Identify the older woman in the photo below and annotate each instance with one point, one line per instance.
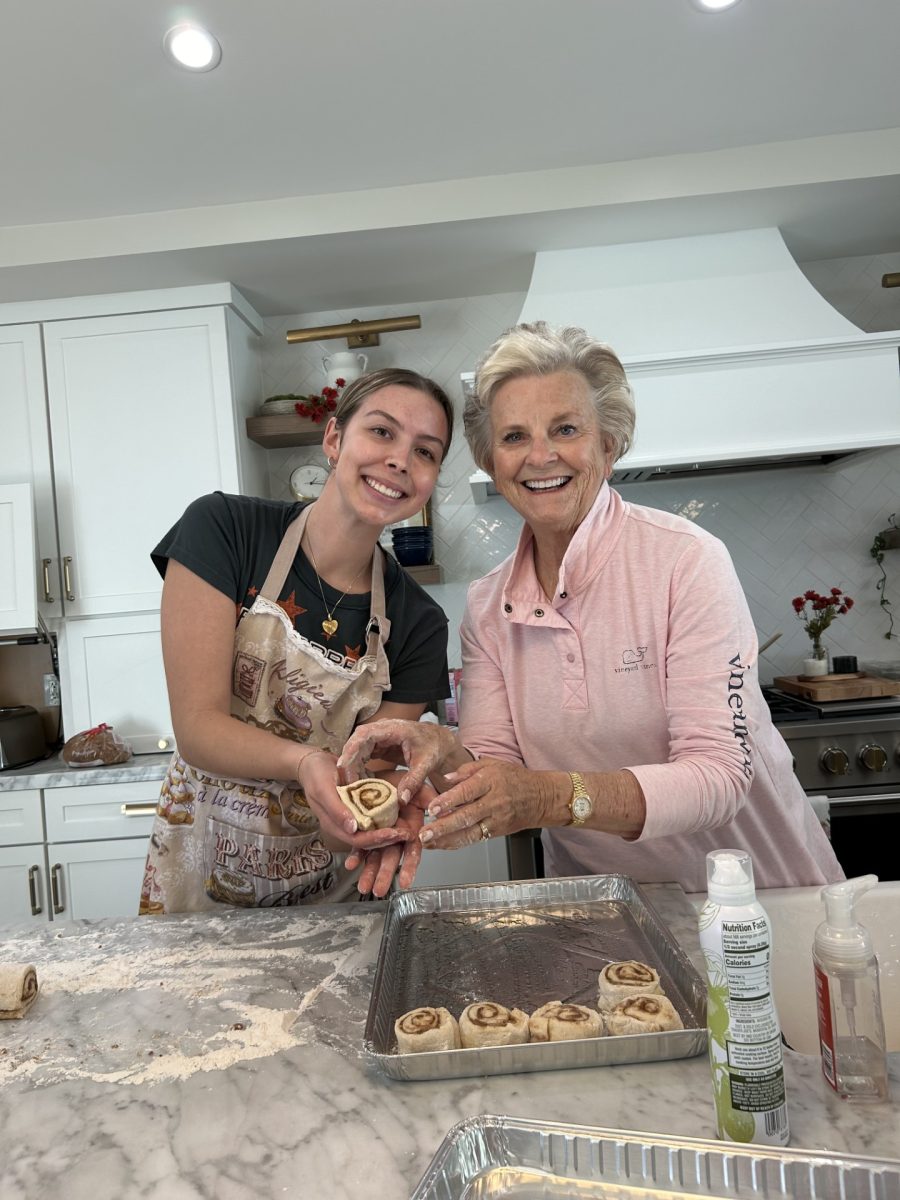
(610, 693)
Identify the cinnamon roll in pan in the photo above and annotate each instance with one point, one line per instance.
(487, 1024)
(643, 1014)
(426, 1029)
(558, 1022)
(620, 981)
(373, 802)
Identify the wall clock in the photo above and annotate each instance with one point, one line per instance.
(307, 481)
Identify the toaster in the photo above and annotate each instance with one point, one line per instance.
(21, 736)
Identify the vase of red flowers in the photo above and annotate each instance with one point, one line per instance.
(817, 612)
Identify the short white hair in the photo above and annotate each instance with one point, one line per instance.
(539, 349)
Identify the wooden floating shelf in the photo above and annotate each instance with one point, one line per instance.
(280, 430)
(430, 573)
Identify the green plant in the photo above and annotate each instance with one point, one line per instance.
(877, 549)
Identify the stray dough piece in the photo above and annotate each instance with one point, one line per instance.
(426, 1029)
(621, 980)
(487, 1024)
(643, 1014)
(373, 802)
(558, 1022)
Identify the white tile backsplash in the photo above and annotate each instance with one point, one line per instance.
(787, 531)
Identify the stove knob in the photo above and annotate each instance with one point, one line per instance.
(873, 757)
(834, 760)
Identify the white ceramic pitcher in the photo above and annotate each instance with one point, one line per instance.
(345, 364)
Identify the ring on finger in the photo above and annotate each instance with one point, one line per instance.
(485, 832)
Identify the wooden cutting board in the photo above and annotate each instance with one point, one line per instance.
(838, 687)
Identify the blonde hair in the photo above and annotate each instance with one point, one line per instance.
(353, 395)
(539, 349)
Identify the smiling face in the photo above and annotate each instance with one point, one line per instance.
(549, 453)
(388, 454)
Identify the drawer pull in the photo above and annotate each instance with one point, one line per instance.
(56, 888)
(48, 599)
(145, 809)
(34, 875)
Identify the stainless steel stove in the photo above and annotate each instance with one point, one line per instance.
(849, 752)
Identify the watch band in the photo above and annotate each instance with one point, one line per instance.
(581, 805)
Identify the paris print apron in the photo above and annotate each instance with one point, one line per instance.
(256, 843)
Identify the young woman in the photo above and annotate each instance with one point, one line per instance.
(283, 627)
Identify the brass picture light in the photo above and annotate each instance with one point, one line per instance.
(892, 279)
(357, 333)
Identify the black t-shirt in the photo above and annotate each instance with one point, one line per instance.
(230, 542)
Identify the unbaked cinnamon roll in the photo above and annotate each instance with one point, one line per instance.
(373, 802)
(558, 1022)
(621, 980)
(643, 1014)
(487, 1024)
(426, 1029)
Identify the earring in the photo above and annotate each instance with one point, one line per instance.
(332, 463)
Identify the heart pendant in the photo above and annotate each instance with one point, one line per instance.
(329, 627)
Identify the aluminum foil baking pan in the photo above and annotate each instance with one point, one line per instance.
(487, 1158)
(522, 944)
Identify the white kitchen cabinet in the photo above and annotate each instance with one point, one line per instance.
(139, 401)
(142, 419)
(18, 595)
(24, 875)
(114, 674)
(25, 450)
(90, 880)
(90, 862)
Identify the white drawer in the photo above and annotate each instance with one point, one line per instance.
(110, 810)
(20, 817)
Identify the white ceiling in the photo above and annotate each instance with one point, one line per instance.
(346, 154)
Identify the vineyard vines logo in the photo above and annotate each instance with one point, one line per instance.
(738, 716)
(633, 660)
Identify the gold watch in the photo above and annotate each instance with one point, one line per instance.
(581, 805)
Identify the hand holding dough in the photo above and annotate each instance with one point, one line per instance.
(373, 802)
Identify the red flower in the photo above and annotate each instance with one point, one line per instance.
(822, 610)
(340, 383)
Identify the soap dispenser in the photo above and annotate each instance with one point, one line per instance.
(848, 997)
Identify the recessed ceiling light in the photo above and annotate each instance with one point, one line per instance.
(192, 47)
(713, 5)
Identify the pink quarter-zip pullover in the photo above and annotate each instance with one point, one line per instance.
(645, 660)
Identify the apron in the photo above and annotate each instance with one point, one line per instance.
(250, 842)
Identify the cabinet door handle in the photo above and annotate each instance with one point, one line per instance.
(45, 563)
(34, 883)
(145, 809)
(67, 576)
(56, 888)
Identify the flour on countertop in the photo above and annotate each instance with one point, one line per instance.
(175, 1011)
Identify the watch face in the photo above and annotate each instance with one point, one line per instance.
(582, 807)
(307, 482)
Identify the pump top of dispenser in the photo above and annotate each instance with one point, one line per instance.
(729, 877)
(840, 936)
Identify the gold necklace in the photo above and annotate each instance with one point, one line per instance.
(330, 625)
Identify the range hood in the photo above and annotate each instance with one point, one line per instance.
(736, 361)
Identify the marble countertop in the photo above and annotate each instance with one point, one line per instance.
(54, 772)
(220, 1055)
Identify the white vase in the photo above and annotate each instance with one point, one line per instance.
(815, 666)
(345, 364)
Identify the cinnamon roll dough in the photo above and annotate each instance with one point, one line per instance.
(426, 1028)
(620, 981)
(373, 802)
(558, 1022)
(643, 1014)
(487, 1024)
